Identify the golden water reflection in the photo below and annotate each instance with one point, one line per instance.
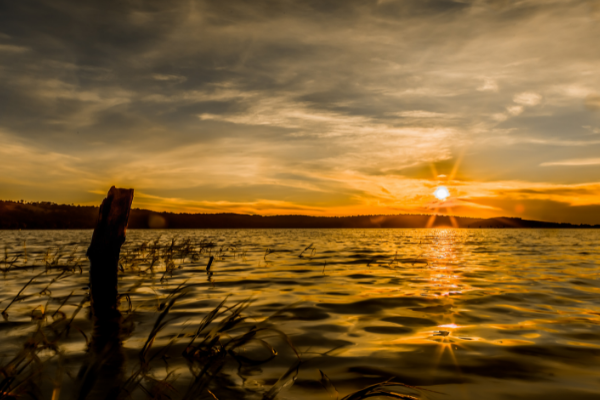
(491, 314)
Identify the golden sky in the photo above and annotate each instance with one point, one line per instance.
(334, 107)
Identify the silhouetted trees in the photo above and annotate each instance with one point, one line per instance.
(48, 215)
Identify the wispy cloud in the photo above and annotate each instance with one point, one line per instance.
(527, 99)
(488, 84)
(573, 163)
(9, 48)
(424, 114)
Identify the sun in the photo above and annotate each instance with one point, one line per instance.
(441, 192)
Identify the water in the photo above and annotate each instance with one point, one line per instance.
(473, 314)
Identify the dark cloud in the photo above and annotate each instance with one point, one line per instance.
(93, 32)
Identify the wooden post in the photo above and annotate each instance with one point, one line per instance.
(103, 253)
(103, 372)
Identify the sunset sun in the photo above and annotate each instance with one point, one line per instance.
(441, 192)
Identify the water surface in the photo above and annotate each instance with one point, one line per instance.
(473, 314)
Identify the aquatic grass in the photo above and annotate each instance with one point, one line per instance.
(328, 386)
(159, 324)
(381, 390)
(20, 371)
(206, 358)
(8, 263)
(286, 380)
(18, 297)
(209, 350)
(310, 246)
(267, 252)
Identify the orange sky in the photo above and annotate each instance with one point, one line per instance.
(333, 108)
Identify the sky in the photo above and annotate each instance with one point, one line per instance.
(337, 107)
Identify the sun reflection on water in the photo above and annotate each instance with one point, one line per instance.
(442, 307)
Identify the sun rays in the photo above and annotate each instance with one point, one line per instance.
(442, 193)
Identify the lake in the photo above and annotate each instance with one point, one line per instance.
(470, 314)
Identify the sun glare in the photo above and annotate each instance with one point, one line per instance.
(441, 193)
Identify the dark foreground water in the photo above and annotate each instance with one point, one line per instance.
(472, 314)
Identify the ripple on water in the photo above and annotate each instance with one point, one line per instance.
(517, 307)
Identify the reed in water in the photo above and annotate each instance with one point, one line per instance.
(165, 353)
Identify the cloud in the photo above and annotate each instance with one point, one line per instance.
(591, 129)
(488, 85)
(423, 114)
(592, 102)
(527, 99)
(260, 206)
(572, 163)
(515, 110)
(8, 48)
(174, 78)
(575, 191)
(500, 117)
(512, 140)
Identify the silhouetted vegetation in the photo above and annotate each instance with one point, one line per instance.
(190, 362)
(46, 215)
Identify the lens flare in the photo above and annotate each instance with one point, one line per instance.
(441, 193)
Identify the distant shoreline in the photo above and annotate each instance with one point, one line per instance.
(48, 216)
(281, 229)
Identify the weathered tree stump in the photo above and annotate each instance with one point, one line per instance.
(103, 253)
(101, 375)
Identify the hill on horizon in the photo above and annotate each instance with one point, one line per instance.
(47, 215)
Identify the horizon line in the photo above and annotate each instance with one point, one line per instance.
(301, 215)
